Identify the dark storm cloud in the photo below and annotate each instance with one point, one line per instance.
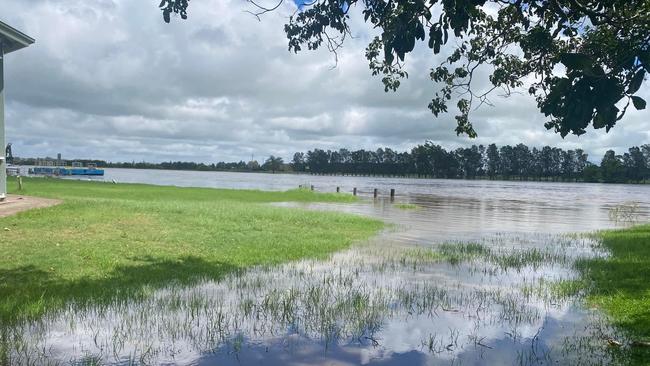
(108, 79)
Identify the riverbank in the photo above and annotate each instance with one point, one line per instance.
(620, 286)
(107, 241)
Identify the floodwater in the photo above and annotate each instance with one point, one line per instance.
(468, 274)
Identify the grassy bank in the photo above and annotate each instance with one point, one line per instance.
(118, 240)
(620, 285)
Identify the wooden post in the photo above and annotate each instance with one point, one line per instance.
(392, 194)
(338, 189)
(376, 192)
(20, 183)
(312, 187)
(354, 191)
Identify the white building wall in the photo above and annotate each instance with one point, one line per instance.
(3, 163)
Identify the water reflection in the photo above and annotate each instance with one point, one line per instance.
(376, 304)
(434, 218)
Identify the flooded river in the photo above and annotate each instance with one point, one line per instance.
(466, 273)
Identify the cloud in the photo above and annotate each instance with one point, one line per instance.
(109, 79)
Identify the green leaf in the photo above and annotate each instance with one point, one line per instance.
(576, 61)
(419, 31)
(599, 121)
(595, 71)
(638, 102)
(635, 84)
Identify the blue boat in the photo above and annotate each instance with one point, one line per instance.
(65, 171)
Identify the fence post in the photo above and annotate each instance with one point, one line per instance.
(392, 194)
(354, 191)
(312, 187)
(376, 192)
(338, 189)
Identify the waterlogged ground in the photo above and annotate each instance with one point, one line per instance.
(448, 283)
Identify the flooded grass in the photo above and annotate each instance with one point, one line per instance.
(109, 241)
(407, 206)
(403, 298)
(503, 258)
(366, 299)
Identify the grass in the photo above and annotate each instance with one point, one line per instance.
(620, 285)
(503, 259)
(407, 206)
(109, 241)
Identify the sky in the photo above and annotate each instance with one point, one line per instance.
(108, 79)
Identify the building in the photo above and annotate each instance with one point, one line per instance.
(10, 40)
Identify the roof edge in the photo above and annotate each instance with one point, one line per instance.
(19, 38)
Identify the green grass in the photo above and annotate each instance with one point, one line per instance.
(108, 241)
(620, 284)
(407, 206)
(504, 259)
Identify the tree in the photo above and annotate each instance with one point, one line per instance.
(568, 165)
(298, 162)
(253, 165)
(582, 160)
(536, 163)
(522, 162)
(273, 163)
(602, 45)
(646, 154)
(591, 173)
(493, 161)
(507, 161)
(316, 160)
(470, 162)
(612, 169)
(422, 161)
(636, 164)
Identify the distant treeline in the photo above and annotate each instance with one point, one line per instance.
(429, 160)
(480, 162)
(171, 165)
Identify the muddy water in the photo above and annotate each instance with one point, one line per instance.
(456, 279)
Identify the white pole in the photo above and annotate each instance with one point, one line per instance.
(3, 162)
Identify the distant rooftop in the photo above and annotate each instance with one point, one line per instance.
(13, 39)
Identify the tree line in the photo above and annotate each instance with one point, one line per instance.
(430, 160)
(507, 162)
(271, 164)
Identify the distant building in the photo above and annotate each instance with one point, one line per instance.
(10, 40)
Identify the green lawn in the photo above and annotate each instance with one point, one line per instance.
(117, 240)
(621, 285)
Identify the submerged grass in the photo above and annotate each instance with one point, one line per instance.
(456, 253)
(407, 206)
(109, 241)
(620, 285)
